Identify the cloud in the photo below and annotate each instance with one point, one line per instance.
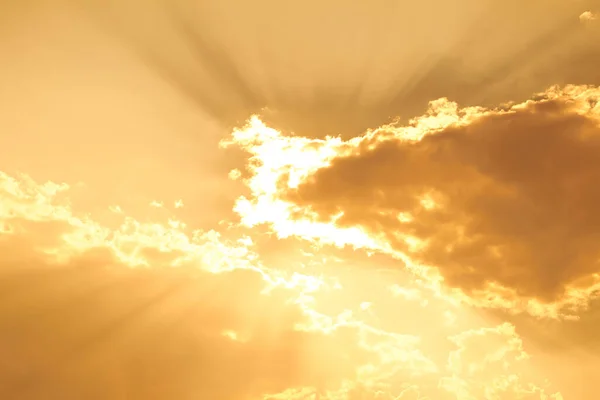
(587, 16)
(148, 310)
(509, 198)
(486, 364)
(500, 201)
(108, 290)
(90, 312)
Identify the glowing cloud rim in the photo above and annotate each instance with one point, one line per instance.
(280, 162)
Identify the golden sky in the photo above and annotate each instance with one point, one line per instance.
(276, 200)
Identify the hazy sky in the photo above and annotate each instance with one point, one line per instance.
(329, 200)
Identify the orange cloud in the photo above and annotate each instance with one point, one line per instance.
(132, 301)
(487, 365)
(146, 309)
(587, 16)
(500, 201)
(143, 310)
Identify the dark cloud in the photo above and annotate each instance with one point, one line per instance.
(517, 197)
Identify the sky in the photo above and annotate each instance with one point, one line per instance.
(318, 200)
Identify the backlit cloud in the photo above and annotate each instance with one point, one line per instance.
(486, 365)
(148, 309)
(403, 218)
(144, 304)
(502, 202)
(587, 16)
